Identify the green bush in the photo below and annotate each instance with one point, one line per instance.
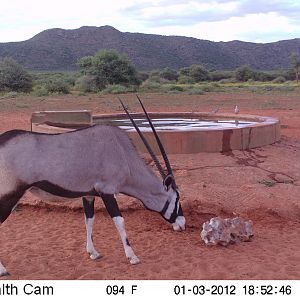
(195, 91)
(175, 87)
(13, 77)
(142, 76)
(109, 67)
(118, 89)
(198, 73)
(168, 74)
(243, 73)
(185, 79)
(57, 86)
(228, 80)
(40, 91)
(86, 84)
(221, 75)
(279, 79)
(150, 86)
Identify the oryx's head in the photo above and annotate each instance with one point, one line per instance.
(172, 210)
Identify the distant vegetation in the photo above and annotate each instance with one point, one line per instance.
(107, 67)
(109, 72)
(59, 50)
(13, 77)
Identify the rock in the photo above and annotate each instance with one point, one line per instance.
(223, 232)
(281, 178)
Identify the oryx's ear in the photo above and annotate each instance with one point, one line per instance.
(168, 182)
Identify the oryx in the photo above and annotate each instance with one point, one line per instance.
(95, 161)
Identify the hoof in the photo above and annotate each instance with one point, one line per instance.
(134, 260)
(96, 256)
(5, 274)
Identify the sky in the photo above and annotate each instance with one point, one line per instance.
(219, 20)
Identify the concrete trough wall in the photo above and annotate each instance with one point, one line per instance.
(71, 119)
(266, 131)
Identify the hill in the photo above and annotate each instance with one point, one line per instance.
(59, 49)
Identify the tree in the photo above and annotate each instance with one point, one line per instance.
(169, 74)
(184, 71)
(13, 77)
(198, 73)
(295, 60)
(243, 73)
(109, 67)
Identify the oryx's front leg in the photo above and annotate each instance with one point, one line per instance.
(114, 211)
(3, 271)
(88, 204)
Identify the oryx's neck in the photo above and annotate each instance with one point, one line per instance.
(147, 187)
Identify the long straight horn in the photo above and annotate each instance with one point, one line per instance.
(161, 147)
(151, 152)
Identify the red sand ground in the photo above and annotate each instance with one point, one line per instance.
(48, 242)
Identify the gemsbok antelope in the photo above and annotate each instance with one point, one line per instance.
(95, 161)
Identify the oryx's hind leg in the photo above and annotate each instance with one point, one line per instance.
(88, 204)
(7, 204)
(114, 211)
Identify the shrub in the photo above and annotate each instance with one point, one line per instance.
(184, 79)
(173, 88)
(57, 86)
(40, 91)
(142, 76)
(169, 74)
(228, 80)
(184, 71)
(219, 75)
(150, 86)
(198, 73)
(13, 76)
(109, 67)
(154, 77)
(86, 84)
(279, 79)
(118, 89)
(195, 91)
(243, 73)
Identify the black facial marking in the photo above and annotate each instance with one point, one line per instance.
(174, 214)
(166, 206)
(111, 205)
(55, 189)
(180, 212)
(127, 242)
(88, 207)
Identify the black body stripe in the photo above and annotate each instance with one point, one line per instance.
(88, 207)
(111, 205)
(55, 189)
(8, 201)
(8, 135)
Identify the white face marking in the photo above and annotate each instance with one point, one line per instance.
(179, 223)
(171, 207)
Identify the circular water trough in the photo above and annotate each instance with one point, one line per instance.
(220, 132)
